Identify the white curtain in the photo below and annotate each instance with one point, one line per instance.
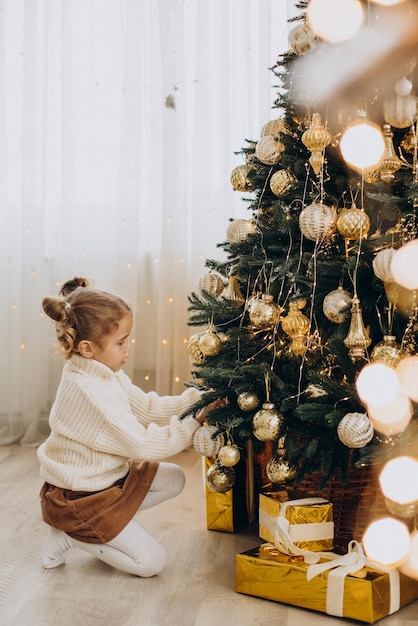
(119, 120)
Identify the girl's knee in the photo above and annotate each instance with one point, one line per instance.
(153, 564)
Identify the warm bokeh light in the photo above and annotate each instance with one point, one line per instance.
(407, 372)
(362, 145)
(335, 20)
(391, 418)
(387, 541)
(388, 3)
(404, 265)
(377, 384)
(410, 566)
(399, 480)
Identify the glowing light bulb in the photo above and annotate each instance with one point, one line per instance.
(388, 3)
(335, 20)
(404, 265)
(391, 418)
(377, 384)
(399, 480)
(362, 145)
(407, 371)
(387, 541)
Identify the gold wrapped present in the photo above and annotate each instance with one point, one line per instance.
(351, 588)
(293, 525)
(227, 511)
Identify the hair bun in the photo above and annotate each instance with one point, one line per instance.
(71, 285)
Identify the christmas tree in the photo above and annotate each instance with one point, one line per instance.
(304, 297)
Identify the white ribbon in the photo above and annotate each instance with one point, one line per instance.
(350, 563)
(284, 533)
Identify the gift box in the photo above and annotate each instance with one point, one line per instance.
(228, 511)
(366, 594)
(304, 523)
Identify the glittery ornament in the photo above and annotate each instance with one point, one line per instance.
(240, 180)
(220, 478)
(355, 430)
(281, 182)
(336, 305)
(317, 221)
(353, 223)
(387, 351)
(274, 128)
(268, 423)
(357, 339)
(211, 283)
(229, 455)
(302, 39)
(248, 401)
(382, 264)
(296, 325)
(210, 343)
(195, 352)
(316, 138)
(239, 230)
(278, 469)
(204, 441)
(264, 312)
(269, 150)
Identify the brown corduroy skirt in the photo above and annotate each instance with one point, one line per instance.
(98, 517)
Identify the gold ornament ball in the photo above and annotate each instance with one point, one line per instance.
(239, 230)
(220, 478)
(212, 283)
(387, 351)
(269, 150)
(280, 182)
(264, 313)
(280, 471)
(355, 430)
(337, 305)
(210, 344)
(317, 221)
(248, 401)
(240, 180)
(268, 423)
(273, 127)
(229, 455)
(195, 352)
(353, 223)
(302, 39)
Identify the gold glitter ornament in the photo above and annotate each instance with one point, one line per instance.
(220, 478)
(195, 352)
(239, 230)
(211, 283)
(274, 128)
(248, 401)
(296, 325)
(229, 455)
(336, 305)
(355, 430)
(264, 313)
(390, 163)
(302, 39)
(268, 423)
(204, 441)
(269, 150)
(353, 223)
(316, 138)
(317, 221)
(357, 339)
(210, 343)
(281, 182)
(387, 351)
(240, 180)
(278, 469)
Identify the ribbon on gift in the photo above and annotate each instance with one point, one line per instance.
(285, 534)
(350, 563)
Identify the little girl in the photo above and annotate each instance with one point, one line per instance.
(102, 461)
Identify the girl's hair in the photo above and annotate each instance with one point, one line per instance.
(82, 313)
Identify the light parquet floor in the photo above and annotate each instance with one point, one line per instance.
(197, 587)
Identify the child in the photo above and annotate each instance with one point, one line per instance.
(102, 461)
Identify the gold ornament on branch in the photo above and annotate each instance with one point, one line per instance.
(264, 313)
(210, 343)
(336, 305)
(240, 180)
(239, 230)
(387, 351)
(353, 223)
(269, 150)
(281, 182)
(212, 283)
(390, 163)
(274, 128)
(296, 325)
(302, 39)
(317, 221)
(316, 138)
(220, 478)
(355, 430)
(268, 423)
(278, 469)
(248, 401)
(357, 340)
(195, 352)
(229, 455)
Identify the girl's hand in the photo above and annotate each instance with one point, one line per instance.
(201, 414)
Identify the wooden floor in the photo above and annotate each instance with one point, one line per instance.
(197, 587)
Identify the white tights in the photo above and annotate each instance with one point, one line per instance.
(134, 550)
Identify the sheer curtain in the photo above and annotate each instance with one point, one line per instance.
(119, 120)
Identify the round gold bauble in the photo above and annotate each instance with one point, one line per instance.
(317, 221)
(280, 471)
(229, 455)
(302, 39)
(382, 264)
(269, 150)
(210, 343)
(274, 127)
(248, 401)
(387, 351)
(220, 478)
(353, 223)
(212, 283)
(240, 180)
(281, 182)
(204, 441)
(355, 430)
(337, 305)
(268, 423)
(400, 111)
(239, 230)
(195, 352)
(264, 312)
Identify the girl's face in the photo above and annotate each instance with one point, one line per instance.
(115, 350)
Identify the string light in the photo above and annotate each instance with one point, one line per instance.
(387, 541)
(362, 145)
(377, 384)
(399, 480)
(335, 20)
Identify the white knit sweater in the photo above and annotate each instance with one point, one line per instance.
(100, 420)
